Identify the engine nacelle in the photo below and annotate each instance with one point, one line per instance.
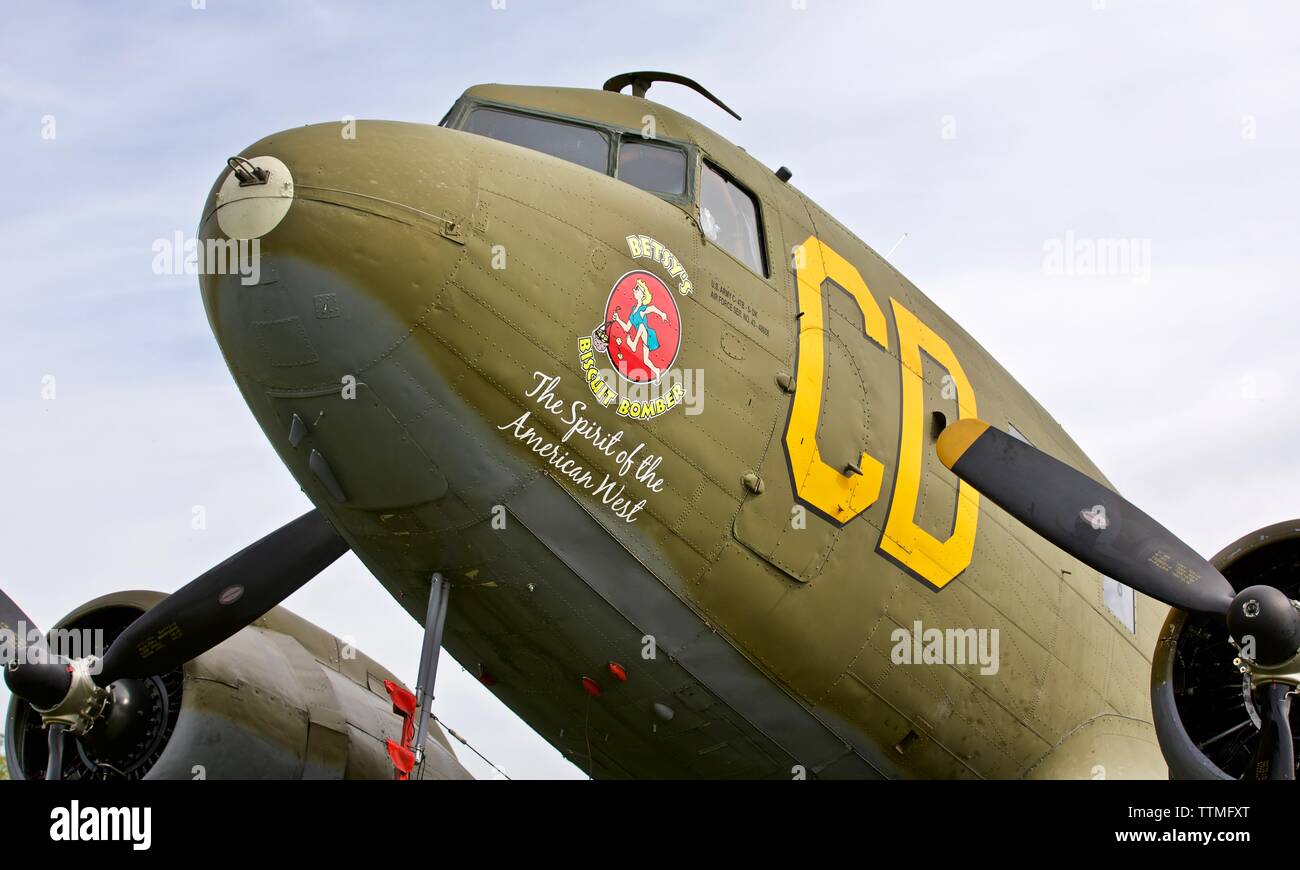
(1205, 715)
(282, 699)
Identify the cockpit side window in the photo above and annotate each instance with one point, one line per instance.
(584, 146)
(729, 218)
(652, 166)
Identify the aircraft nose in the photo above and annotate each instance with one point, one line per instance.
(321, 246)
(321, 254)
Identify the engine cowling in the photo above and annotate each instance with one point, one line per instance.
(282, 699)
(1205, 715)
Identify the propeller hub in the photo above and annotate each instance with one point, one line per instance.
(1265, 624)
(77, 707)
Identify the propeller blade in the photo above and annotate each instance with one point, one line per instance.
(41, 684)
(1275, 754)
(54, 762)
(11, 614)
(1085, 519)
(225, 599)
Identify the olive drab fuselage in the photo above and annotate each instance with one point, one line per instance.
(684, 490)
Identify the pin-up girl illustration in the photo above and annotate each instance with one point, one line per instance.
(640, 334)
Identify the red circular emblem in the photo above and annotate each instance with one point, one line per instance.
(643, 326)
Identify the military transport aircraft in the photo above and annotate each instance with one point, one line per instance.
(686, 473)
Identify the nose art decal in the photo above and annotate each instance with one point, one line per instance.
(640, 335)
(642, 327)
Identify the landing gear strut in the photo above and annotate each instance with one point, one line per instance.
(434, 620)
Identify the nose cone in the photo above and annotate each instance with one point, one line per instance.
(321, 250)
(334, 241)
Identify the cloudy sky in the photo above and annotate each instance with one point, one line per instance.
(991, 134)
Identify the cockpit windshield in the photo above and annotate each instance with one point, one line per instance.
(652, 166)
(659, 167)
(584, 146)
